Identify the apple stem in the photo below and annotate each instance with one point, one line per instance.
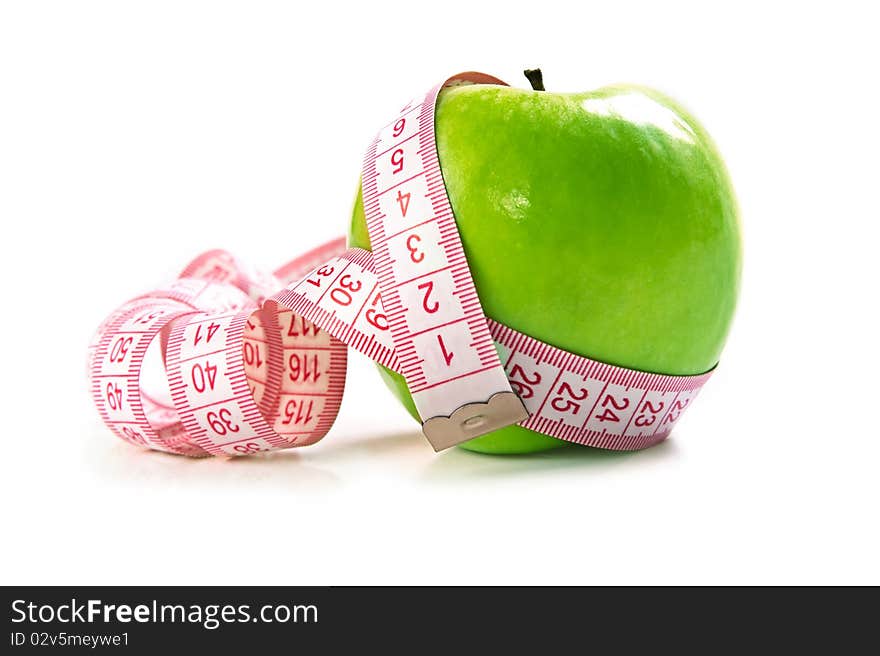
(535, 78)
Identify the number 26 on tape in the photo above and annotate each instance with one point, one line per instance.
(523, 387)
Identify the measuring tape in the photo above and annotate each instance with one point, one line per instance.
(250, 368)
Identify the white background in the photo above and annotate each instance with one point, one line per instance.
(135, 135)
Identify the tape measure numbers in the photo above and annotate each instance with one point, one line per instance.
(251, 368)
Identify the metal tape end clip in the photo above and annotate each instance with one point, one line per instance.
(474, 419)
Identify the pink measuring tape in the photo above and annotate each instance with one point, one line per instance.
(250, 368)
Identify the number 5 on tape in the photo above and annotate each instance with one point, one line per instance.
(437, 323)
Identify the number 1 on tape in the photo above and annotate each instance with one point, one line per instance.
(440, 333)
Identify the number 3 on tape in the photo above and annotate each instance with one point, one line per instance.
(440, 333)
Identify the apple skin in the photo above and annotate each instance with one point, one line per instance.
(603, 223)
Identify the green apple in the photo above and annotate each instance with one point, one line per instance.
(603, 223)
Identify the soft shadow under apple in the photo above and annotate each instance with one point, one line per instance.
(458, 465)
